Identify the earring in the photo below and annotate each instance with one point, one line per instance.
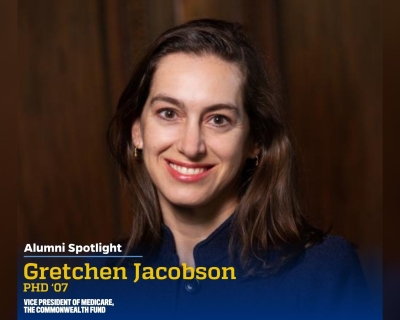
(135, 152)
(256, 161)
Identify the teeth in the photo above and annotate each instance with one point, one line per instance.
(187, 171)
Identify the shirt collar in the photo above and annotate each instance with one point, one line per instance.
(208, 252)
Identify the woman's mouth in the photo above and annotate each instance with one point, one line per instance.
(188, 172)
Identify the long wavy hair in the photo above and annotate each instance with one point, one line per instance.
(269, 215)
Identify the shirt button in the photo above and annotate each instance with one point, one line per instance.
(192, 286)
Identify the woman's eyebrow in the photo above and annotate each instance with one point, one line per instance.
(164, 98)
(222, 106)
(180, 104)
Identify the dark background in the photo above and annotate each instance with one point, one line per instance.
(76, 56)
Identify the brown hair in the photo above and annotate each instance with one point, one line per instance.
(269, 214)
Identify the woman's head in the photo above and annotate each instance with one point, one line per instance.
(200, 38)
(194, 133)
(268, 212)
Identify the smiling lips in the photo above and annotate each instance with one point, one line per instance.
(188, 172)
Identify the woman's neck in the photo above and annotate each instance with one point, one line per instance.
(192, 225)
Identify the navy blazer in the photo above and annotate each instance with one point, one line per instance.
(325, 282)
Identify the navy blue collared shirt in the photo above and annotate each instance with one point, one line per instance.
(325, 282)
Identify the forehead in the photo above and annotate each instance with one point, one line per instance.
(204, 79)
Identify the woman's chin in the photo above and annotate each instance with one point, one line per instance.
(188, 201)
(194, 203)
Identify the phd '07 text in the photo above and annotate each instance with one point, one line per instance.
(44, 287)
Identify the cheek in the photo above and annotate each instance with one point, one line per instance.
(231, 149)
(156, 138)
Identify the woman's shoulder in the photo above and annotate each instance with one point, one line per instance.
(330, 276)
(332, 249)
(333, 261)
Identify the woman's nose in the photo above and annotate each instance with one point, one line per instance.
(191, 142)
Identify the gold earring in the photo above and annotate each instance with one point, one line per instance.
(256, 161)
(135, 152)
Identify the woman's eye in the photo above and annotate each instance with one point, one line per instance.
(219, 120)
(168, 114)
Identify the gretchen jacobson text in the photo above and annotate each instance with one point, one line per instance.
(33, 272)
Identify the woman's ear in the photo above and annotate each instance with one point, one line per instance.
(255, 150)
(137, 138)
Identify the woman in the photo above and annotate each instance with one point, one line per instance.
(200, 140)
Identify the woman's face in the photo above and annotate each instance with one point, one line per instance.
(194, 131)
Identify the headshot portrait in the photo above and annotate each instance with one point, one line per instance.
(202, 159)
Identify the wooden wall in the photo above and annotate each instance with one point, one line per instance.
(76, 56)
(66, 184)
(331, 58)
